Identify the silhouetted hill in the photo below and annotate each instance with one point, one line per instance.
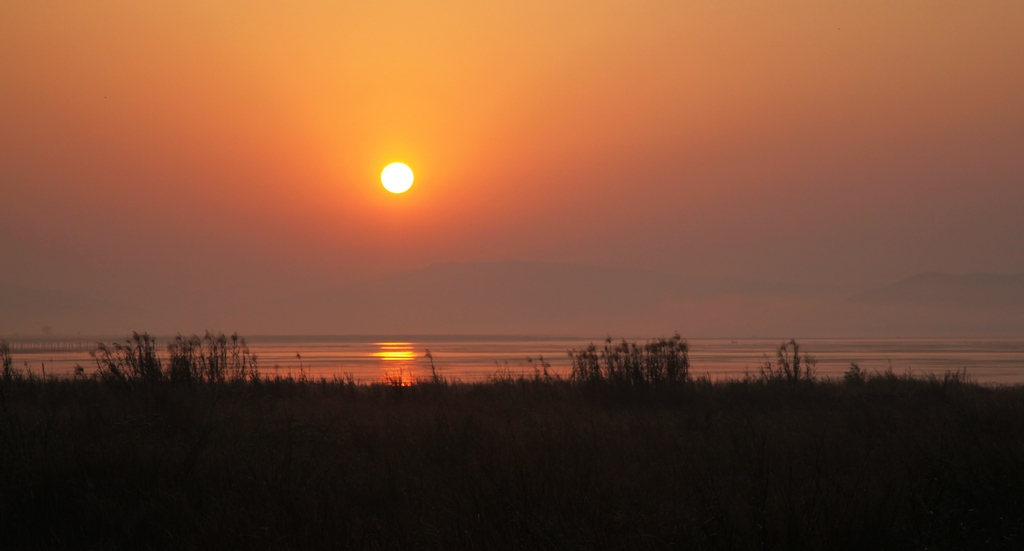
(936, 289)
(513, 297)
(488, 297)
(28, 311)
(546, 299)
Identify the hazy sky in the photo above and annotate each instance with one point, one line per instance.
(196, 147)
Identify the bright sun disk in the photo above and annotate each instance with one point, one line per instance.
(396, 177)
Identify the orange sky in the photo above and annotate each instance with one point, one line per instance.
(205, 145)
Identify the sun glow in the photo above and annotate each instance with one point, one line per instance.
(397, 177)
(397, 356)
(395, 351)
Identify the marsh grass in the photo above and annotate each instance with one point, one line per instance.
(657, 362)
(214, 358)
(135, 360)
(889, 461)
(790, 366)
(7, 371)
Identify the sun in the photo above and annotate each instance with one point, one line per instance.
(396, 177)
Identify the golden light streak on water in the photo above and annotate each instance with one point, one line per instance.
(398, 369)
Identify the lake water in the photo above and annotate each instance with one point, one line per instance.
(477, 358)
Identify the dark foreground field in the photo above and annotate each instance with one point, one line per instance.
(883, 463)
(887, 464)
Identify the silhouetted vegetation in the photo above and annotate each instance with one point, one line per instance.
(789, 366)
(658, 362)
(7, 371)
(196, 451)
(211, 359)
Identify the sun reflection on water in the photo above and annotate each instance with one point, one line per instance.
(398, 360)
(395, 351)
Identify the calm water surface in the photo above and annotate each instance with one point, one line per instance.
(477, 358)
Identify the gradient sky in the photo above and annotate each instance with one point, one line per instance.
(190, 148)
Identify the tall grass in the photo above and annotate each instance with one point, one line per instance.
(7, 371)
(133, 360)
(214, 358)
(657, 362)
(790, 366)
(874, 461)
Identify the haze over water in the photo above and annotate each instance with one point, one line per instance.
(180, 166)
(367, 359)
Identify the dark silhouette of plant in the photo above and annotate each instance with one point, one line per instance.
(855, 375)
(657, 362)
(541, 370)
(789, 366)
(212, 359)
(435, 377)
(184, 366)
(135, 360)
(215, 358)
(7, 371)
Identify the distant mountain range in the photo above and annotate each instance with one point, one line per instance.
(938, 289)
(508, 297)
(547, 298)
(468, 298)
(484, 298)
(38, 312)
